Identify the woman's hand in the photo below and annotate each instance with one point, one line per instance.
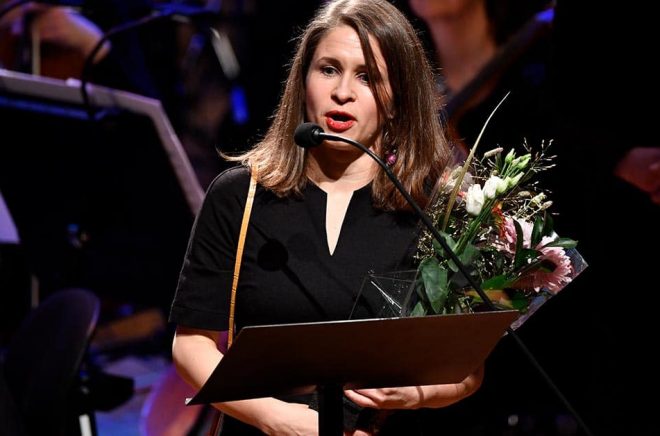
(408, 397)
(414, 397)
(289, 419)
(195, 354)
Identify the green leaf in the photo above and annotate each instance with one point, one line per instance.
(537, 231)
(467, 257)
(521, 253)
(519, 301)
(524, 256)
(562, 242)
(469, 254)
(498, 282)
(499, 298)
(418, 310)
(434, 278)
(519, 237)
(438, 248)
(548, 225)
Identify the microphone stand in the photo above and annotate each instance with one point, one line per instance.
(319, 135)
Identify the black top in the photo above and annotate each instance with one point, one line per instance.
(287, 273)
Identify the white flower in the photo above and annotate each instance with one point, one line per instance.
(494, 186)
(474, 199)
(538, 199)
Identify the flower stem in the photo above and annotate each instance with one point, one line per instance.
(466, 165)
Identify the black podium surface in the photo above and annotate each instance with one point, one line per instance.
(332, 356)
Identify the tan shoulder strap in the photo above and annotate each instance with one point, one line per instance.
(239, 253)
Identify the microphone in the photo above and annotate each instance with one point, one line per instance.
(308, 135)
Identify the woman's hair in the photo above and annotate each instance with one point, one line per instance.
(412, 129)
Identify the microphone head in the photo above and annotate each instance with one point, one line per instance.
(308, 135)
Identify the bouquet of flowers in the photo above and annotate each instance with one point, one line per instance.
(493, 215)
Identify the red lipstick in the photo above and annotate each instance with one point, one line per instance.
(339, 121)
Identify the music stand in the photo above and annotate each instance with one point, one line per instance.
(294, 359)
(104, 204)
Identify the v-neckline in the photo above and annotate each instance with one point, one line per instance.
(347, 215)
(332, 248)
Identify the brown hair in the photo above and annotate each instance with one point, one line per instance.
(413, 130)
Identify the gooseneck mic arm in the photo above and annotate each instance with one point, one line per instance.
(308, 135)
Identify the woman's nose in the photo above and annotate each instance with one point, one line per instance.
(343, 90)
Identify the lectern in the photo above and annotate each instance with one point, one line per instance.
(328, 357)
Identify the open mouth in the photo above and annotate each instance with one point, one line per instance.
(339, 121)
(340, 117)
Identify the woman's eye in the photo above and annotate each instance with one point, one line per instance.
(363, 77)
(328, 70)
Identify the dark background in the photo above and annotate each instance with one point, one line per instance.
(594, 339)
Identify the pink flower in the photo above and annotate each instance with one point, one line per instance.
(508, 234)
(553, 280)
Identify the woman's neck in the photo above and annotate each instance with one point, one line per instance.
(464, 44)
(336, 171)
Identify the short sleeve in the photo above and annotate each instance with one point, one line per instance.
(204, 286)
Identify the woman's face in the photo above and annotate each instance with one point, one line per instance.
(338, 97)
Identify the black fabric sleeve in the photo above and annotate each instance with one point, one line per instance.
(204, 286)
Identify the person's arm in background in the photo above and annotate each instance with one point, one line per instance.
(66, 36)
(641, 168)
(63, 29)
(67, 28)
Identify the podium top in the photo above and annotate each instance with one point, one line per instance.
(293, 359)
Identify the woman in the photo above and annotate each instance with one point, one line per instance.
(323, 218)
